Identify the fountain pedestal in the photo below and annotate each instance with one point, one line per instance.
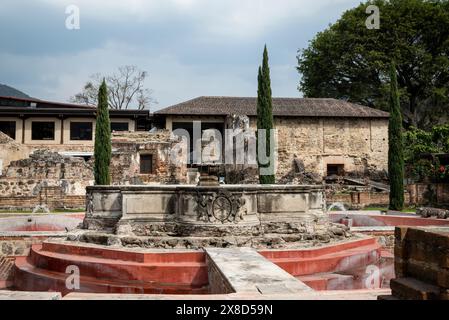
(207, 214)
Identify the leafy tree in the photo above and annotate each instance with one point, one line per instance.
(126, 89)
(417, 144)
(348, 61)
(265, 113)
(395, 150)
(103, 149)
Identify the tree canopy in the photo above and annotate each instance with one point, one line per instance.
(349, 61)
(126, 89)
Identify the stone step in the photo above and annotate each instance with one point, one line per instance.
(194, 273)
(331, 262)
(128, 254)
(305, 295)
(413, 289)
(30, 278)
(328, 281)
(317, 252)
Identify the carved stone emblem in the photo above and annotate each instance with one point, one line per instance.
(221, 206)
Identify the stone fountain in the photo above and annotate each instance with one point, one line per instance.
(185, 216)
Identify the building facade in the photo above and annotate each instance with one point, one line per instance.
(65, 128)
(314, 137)
(318, 136)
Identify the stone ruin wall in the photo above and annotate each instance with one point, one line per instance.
(10, 150)
(305, 148)
(47, 178)
(307, 145)
(125, 164)
(361, 145)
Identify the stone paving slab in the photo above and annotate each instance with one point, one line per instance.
(306, 295)
(23, 295)
(246, 271)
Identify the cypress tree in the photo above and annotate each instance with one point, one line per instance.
(265, 112)
(102, 153)
(395, 152)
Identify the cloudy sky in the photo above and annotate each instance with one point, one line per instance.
(189, 47)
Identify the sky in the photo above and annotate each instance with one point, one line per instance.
(189, 48)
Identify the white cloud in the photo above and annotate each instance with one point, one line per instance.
(60, 77)
(176, 72)
(237, 18)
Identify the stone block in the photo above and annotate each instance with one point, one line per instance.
(282, 202)
(156, 203)
(400, 234)
(400, 267)
(413, 289)
(400, 250)
(443, 278)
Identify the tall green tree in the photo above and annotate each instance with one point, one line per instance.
(395, 151)
(265, 116)
(103, 149)
(349, 61)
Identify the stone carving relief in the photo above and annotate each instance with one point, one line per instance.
(221, 206)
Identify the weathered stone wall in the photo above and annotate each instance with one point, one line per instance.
(361, 145)
(125, 164)
(45, 178)
(10, 150)
(429, 194)
(15, 246)
(421, 263)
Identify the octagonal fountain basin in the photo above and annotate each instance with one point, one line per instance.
(40, 222)
(104, 269)
(361, 219)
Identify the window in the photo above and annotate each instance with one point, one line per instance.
(142, 125)
(8, 128)
(43, 131)
(119, 126)
(335, 170)
(146, 164)
(80, 130)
